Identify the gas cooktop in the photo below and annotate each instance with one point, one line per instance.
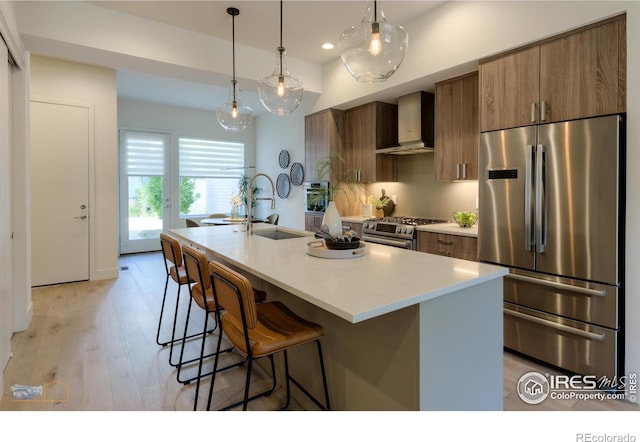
(409, 221)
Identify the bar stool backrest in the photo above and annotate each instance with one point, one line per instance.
(234, 294)
(171, 249)
(195, 262)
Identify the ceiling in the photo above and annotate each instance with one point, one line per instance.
(306, 26)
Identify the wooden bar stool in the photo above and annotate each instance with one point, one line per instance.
(260, 330)
(196, 268)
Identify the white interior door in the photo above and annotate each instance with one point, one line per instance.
(59, 192)
(6, 292)
(144, 190)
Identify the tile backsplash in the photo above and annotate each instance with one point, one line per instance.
(419, 194)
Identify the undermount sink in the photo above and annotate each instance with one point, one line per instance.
(278, 234)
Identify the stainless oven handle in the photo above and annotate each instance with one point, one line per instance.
(559, 285)
(561, 327)
(388, 242)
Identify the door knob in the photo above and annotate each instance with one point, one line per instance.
(81, 217)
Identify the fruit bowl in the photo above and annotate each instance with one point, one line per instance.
(465, 219)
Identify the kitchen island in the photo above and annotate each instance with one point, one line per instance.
(403, 330)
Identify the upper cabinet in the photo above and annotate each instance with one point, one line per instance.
(323, 134)
(369, 127)
(576, 75)
(457, 128)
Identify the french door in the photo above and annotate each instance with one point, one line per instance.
(144, 190)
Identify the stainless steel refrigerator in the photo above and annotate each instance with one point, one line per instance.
(552, 204)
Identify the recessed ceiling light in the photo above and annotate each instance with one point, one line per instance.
(327, 46)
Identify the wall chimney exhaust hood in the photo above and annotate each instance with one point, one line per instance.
(416, 123)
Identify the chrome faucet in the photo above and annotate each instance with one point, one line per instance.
(250, 200)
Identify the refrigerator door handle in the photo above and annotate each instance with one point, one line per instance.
(541, 199)
(558, 285)
(528, 231)
(560, 327)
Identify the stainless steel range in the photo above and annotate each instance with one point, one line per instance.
(395, 231)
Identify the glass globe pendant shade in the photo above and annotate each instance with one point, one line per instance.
(233, 115)
(373, 50)
(280, 93)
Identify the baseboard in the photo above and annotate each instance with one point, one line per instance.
(105, 274)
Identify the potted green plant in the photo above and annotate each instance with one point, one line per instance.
(325, 168)
(243, 192)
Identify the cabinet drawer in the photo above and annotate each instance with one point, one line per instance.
(455, 246)
(588, 302)
(586, 349)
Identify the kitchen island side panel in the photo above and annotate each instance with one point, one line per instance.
(461, 340)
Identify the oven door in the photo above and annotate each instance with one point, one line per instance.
(393, 242)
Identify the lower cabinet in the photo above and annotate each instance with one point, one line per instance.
(455, 246)
(312, 221)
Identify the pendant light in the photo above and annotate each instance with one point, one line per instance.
(373, 50)
(233, 115)
(280, 93)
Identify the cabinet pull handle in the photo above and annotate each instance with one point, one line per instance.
(533, 112)
(457, 171)
(464, 171)
(447, 243)
(543, 111)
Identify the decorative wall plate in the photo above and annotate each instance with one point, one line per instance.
(297, 174)
(283, 185)
(283, 159)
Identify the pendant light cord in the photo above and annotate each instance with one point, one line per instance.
(233, 12)
(233, 53)
(281, 48)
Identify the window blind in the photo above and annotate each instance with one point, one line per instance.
(144, 153)
(202, 158)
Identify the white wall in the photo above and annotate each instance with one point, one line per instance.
(180, 121)
(275, 134)
(60, 80)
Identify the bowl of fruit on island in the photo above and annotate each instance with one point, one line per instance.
(465, 219)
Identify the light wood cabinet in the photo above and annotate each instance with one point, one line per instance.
(312, 221)
(455, 246)
(457, 128)
(323, 134)
(369, 127)
(578, 74)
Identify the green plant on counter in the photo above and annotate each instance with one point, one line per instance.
(325, 168)
(378, 203)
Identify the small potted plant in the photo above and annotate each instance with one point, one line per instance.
(378, 204)
(324, 169)
(243, 193)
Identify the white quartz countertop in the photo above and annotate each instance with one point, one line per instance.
(450, 228)
(384, 280)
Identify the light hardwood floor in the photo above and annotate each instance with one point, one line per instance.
(98, 338)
